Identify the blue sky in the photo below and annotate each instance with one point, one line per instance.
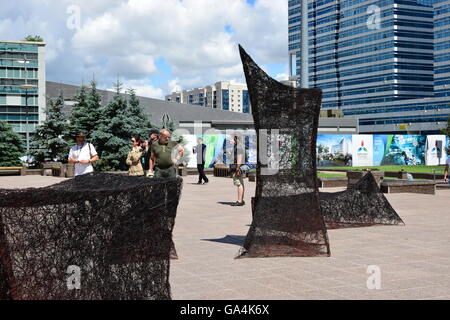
(154, 46)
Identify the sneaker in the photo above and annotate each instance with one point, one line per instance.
(238, 204)
(205, 182)
(199, 183)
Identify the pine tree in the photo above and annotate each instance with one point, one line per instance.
(94, 104)
(113, 134)
(11, 146)
(83, 118)
(50, 143)
(136, 113)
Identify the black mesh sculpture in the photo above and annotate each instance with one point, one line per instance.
(286, 207)
(362, 204)
(108, 234)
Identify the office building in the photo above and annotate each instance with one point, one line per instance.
(22, 62)
(442, 48)
(374, 60)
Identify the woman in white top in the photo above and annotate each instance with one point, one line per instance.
(82, 155)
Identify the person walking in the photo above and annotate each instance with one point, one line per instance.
(83, 155)
(238, 177)
(165, 154)
(447, 165)
(134, 158)
(200, 150)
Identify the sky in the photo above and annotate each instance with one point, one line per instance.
(153, 46)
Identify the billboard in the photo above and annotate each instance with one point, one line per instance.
(334, 150)
(399, 150)
(219, 149)
(436, 152)
(362, 150)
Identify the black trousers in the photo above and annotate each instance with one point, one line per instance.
(201, 173)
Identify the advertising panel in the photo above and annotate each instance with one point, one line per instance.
(399, 150)
(362, 152)
(436, 153)
(334, 150)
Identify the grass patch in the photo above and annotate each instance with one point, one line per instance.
(330, 175)
(411, 169)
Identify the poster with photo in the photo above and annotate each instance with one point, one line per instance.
(436, 152)
(219, 149)
(214, 148)
(334, 150)
(399, 150)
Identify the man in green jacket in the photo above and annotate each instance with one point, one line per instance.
(165, 155)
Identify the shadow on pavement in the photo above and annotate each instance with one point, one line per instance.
(226, 203)
(230, 239)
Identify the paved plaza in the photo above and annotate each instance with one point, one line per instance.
(414, 260)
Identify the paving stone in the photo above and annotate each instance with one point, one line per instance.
(414, 259)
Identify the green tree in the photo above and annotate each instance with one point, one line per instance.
(85, 114)
(136, 113)
(50, 142)
(114, 131)
(11, 146)
(34, 38)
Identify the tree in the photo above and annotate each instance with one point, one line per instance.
(34, 38)
(50, 142)
(136, 113)
(11, 146)
(114, 131)
(85, 114)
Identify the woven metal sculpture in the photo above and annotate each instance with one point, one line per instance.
(362, 204)
(286, 207)
(98, 236)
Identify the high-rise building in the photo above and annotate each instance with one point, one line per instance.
(442, 48)
(222, 95)
(21, 63)
(374, 60)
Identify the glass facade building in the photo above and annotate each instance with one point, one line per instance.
(22, 62)
(442, 48)
(373, 59)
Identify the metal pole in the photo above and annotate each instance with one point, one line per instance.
(304, 74)
(27, 132)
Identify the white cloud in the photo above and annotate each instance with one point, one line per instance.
(142, 88)
(128, 37)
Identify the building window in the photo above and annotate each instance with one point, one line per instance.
(225, 99)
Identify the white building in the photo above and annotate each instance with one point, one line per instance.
(222, 95)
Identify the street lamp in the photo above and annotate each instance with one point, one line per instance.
(26, 87)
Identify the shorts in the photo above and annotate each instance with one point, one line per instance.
(238, 180)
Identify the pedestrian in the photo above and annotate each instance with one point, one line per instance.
(447, 165)
(152, 137)
(238, 176)
(200, 150)
(165, 154)
(83, 155)
(134, 158)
